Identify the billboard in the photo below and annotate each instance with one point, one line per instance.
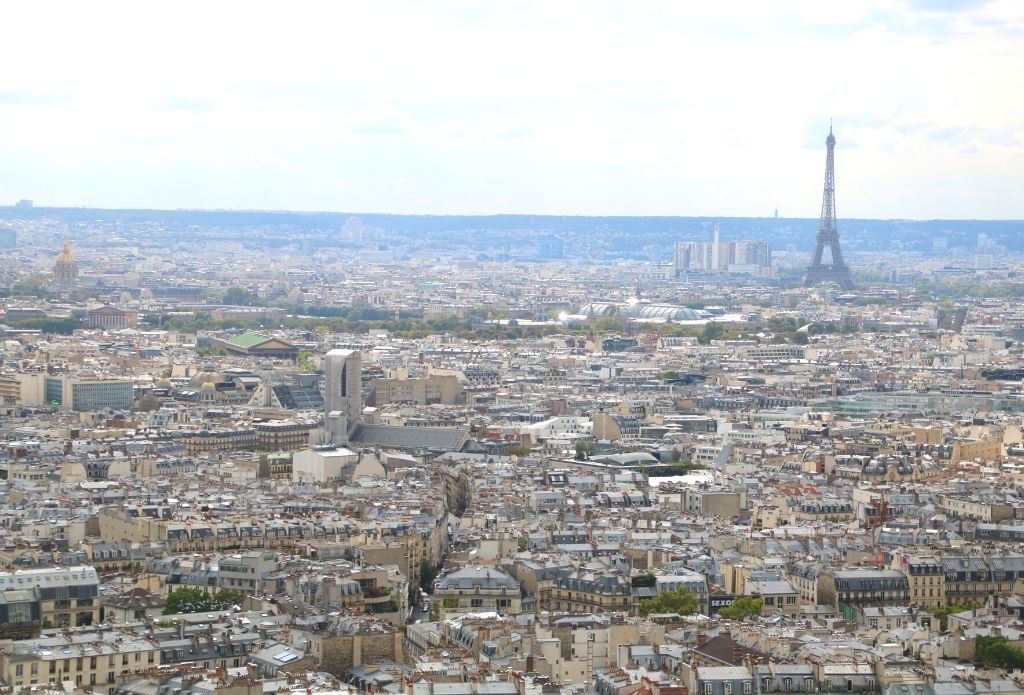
(719, 601)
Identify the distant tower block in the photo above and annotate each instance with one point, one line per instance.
(834, 269)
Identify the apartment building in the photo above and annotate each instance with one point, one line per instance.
(91, 660)
(65, 596)
(477, 589)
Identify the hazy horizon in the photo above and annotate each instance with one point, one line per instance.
(480, 108)
(377, 213)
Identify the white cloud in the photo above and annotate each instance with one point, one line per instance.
(567, 107)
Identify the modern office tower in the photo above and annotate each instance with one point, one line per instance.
(834, 269)
(343, 391)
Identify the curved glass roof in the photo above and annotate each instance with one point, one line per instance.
(664, 312)
(599, 309)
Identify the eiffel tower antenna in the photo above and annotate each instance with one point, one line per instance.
(835, 270)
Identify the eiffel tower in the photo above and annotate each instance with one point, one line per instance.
(834, 270)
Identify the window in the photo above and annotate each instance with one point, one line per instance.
(787, 684)
(19, 612)
(728, 688)
(707, 689)
(747, 687)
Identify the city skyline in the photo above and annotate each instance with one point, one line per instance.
(457, 108)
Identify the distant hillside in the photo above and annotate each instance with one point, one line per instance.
(614, 236)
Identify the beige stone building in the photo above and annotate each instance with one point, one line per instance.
(478, 590)
(91, 660)
(442, 389)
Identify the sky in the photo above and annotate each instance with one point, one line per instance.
(553, 107)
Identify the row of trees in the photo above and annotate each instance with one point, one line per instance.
(683, 602)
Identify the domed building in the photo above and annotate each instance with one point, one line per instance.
(208, 375)
(207, 392)
(65, 268)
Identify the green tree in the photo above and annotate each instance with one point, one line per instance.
(191, 600)
(32, 286)
(60, 326)
(239, 296)
(677, 455)
(943, 612)
(519, 450)
(679, 601)
(742, 608)
(584, 450)
(712, 331)
(996, 652)
(186, 600)
(609, 325)
(427, 574)
(305, 362)
(643, 580)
